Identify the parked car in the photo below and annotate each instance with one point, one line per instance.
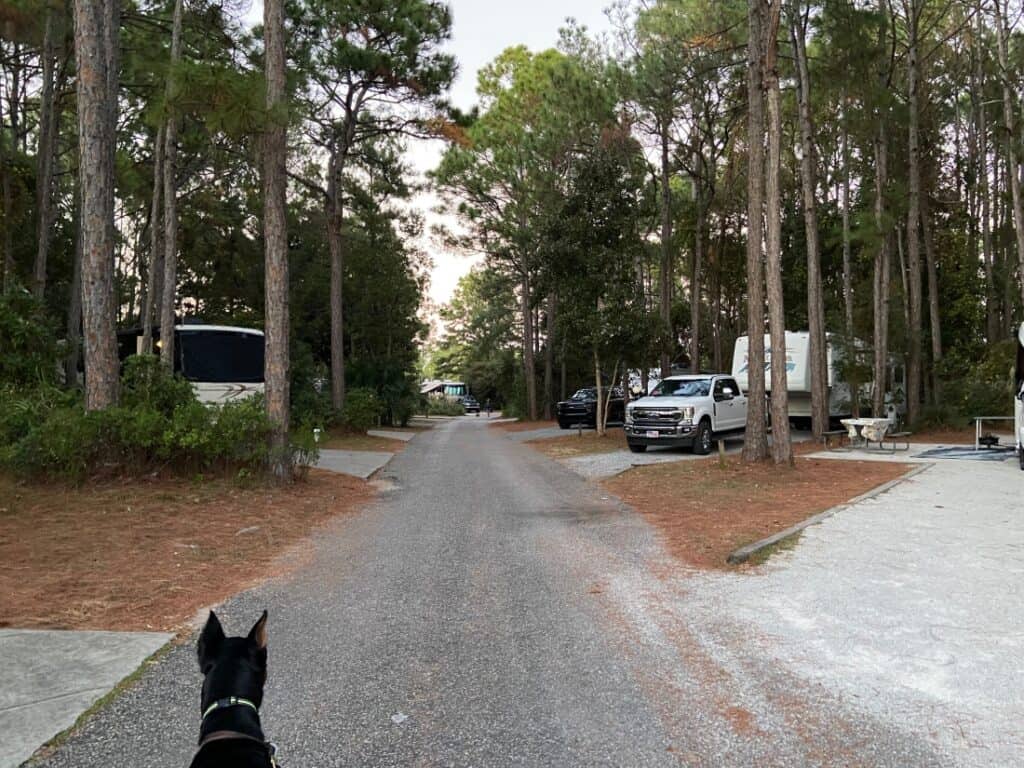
(470, 404)
(581, 408)
(686, 411)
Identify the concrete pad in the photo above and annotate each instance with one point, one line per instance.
(52, 677)
(921, 453)
(405, 437)
(361, 464)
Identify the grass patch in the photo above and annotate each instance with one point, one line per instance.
(575, 444)
(761, 556)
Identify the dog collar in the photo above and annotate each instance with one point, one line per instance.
(230, 701)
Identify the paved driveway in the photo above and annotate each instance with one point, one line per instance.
(493, 609)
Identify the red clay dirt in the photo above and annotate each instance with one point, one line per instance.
(704, 510)
(147, 554)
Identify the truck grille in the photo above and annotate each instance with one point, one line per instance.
(656, 417)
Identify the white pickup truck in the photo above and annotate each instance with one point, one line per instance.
(686, 411)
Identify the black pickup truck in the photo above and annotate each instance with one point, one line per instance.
(581, 408)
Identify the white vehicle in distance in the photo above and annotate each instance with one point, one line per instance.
(223, 362)
(686, 411)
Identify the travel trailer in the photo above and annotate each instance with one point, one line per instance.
(798, 375)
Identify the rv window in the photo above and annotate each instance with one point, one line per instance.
(221, 356)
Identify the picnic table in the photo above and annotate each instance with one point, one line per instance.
(864, 431)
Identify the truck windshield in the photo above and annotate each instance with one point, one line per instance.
(684, 388)
(585, 394)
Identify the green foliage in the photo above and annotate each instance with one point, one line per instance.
(159, 426)
(28, 352)
(362, 409)
(985, 390)
(145, 383)
(442, 406)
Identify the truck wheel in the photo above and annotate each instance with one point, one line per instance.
(702, 442)
(562, 424)
(637, 448)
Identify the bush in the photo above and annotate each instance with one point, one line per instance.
(146, 382)
(441, 406)
(362, 409)
(159, 425)
(28, 352)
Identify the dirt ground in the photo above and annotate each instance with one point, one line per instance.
(344, 440)
(572, 443)
(147, 554)
(523, 426)
(963, 436)
(705, 510)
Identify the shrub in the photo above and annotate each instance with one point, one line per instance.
(146, 382)
(28, 351)
(159, 426)
(362, 409)
(441, 406)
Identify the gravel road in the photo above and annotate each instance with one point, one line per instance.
(493, 609)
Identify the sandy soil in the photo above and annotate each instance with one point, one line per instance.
(147, 554)
(704, 510)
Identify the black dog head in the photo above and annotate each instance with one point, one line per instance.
(233, 666)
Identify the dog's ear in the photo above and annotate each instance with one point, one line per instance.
(210, 641)
(258, 633)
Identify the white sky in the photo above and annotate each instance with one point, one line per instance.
(481, 30)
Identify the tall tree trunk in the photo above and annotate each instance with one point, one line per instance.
(275, 236)
(982, 178)
(45, 154)
(154, 278)
(6, 190)
(882, 268)
(170, 286)
(847, 256)
(335, 242)
(549, 356)
(698, 259)
(667, 266)
(782, 446)
(933, 294)
(529, 368)
(1013, 170)
(818, 349)
(598, 421)
(755, 443)
(96, 50)
(914, 287)
(73, 334)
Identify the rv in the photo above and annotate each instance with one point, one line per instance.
(1018, 401)
(798, 375)
(447, 389)
(223, 362)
